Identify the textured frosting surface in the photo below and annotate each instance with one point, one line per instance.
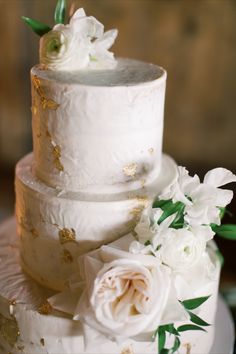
(98, 131)
(30, 326)
(55, 228)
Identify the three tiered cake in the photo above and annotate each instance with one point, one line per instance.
(114, 238)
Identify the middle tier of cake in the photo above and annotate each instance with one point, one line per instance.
(56, 227)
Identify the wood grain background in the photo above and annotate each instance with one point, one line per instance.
(194, 40)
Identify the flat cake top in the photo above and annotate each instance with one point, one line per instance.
(128, 72)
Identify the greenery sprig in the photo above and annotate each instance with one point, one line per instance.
(40, 28)
(227, 231)
(196, 324)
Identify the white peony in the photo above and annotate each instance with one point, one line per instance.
(202, 200)
(181, 249)
(80, 44)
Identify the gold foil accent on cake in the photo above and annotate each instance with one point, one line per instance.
(151, 150)
(128, 350)
(34, 109)
(12, 303)
(143, 199)
(188, 348)
(21, 347)
(9, 330)
(57, 156)
(143, 181)
(67, 235)
(42, 342)
(45, 309)
(46, 103)
(67, 257)
(34, 233)
(130, 170)
(136, 212)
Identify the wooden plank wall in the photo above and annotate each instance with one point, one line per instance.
(194, 40)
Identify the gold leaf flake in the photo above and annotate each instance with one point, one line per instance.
(45, 309)
(136, 212)
(57, 156)
(34, 109)
(151, 150)
(20, 347)
(67, 257)
(42, 342)
(49, 104)
(188, 348)
(127, 350)
(67, 235)
(34, 233)
(12, 303)
(144, 200)
(9, 330)
(130, 170)
(143, 181)
(46, 102)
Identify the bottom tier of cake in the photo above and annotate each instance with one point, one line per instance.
(28, 324)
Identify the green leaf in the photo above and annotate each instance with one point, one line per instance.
(161, 340)
(38, 27)
(165, 351)
(60, 11)
(192, 304)
(161, 203)
(170, 209)
(176, 345)
(227, 231)
(197, 320)
(190, 327)
(220, 257)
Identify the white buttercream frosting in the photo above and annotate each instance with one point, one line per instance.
(57, 332)
(56, 227)
(101, 131)
(78, 45)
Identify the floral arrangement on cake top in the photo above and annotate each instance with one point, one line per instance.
(155, 282)
(80, 44)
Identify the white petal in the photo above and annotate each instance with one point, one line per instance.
(219, 177)
(78, 14)
(107, 40)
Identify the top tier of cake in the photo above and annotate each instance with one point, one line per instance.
(98, 131)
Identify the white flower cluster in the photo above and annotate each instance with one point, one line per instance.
(80, 44)
(182, 248)
(131, 287)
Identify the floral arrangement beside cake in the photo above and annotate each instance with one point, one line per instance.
(115, 240)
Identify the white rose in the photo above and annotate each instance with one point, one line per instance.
(124, 294)
(181, 249)
(128, 297)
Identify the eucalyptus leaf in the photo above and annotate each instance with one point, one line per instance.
(227, 231)
(197, 320)
(190, 327)
(60, 12)
(38, 27)
(192, 304)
